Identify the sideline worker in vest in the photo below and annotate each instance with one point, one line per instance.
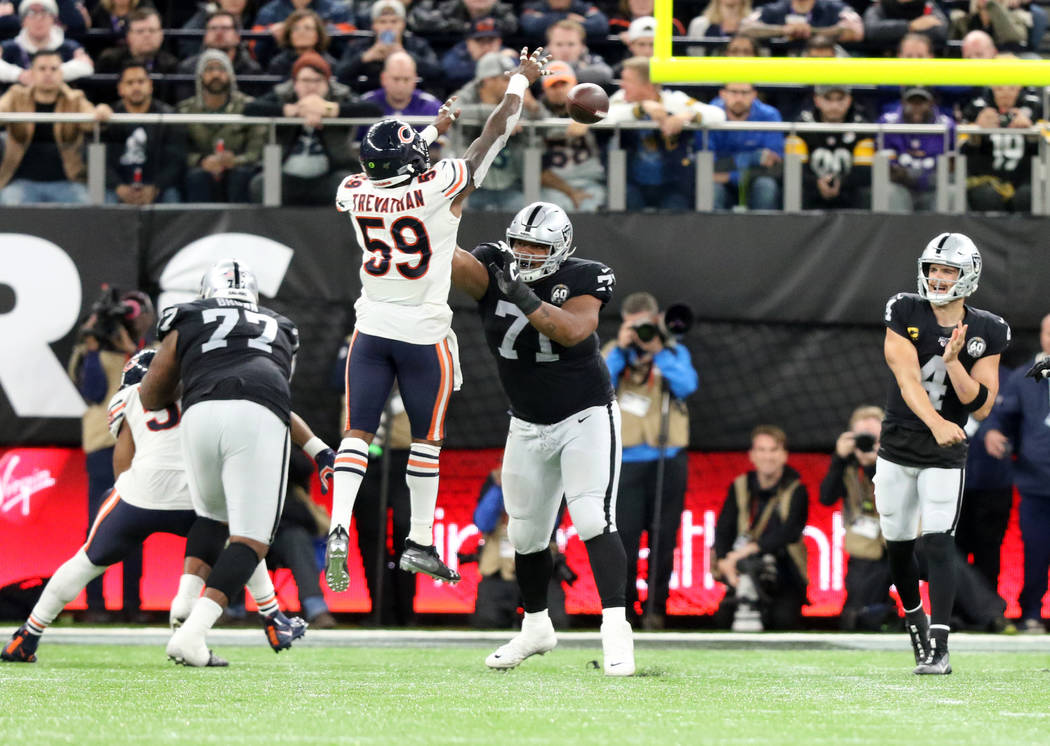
(849, 476)
(653, 374)
(759, 552)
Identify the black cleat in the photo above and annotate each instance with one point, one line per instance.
(281, 631)
(22, 648)
(418, 558)
(336, 573)
(936, 663)
(918, 627)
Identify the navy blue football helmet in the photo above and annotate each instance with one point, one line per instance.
(136, 367)
(393, 152)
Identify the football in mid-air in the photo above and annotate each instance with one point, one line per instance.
(588, 103)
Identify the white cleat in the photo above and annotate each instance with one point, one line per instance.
(618, 648)
(186, 651)
(534, 639)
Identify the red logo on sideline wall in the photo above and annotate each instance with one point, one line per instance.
(19, 481)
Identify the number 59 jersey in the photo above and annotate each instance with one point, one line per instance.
(408, 236)
(232, 349)
(905, 438)
(544, 381)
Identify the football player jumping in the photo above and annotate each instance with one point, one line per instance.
(539, 309)
(944, 360)
(405, 215)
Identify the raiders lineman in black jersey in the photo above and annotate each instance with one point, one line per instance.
(234, 359)
(540, 310)
(944, 360)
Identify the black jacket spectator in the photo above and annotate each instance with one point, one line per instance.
(364, 76)
(158, 151)
(887, 21)
(454, 17)
(537, 17)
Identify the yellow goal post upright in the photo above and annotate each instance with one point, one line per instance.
(664, 67)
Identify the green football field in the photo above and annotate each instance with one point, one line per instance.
(691, 689)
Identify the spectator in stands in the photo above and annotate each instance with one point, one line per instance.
(221, 158)
(145, 37)
(573, 176)
(502, 188)
(822, 46)
(112, 15)
(457, 17)
(999, 166)
(629, 11)
(566, 42)
(758, 549)
(243, 12)
(222, 33)
(915, 46)
(660, 169)
(302, 31)
(485, 35)
(363, 60)
(838, 164)
(748, 165)
(887, 21)
(1018, 425)
(913, 172)
(720, 18)
(538, 16)
(744, 46)
(978, 45)
(39, 32)
(1006, 26)
(315, 157)
(72, 18)
(398, 95)
(45, 162)
(144, 162)
(639, 40)
(849, 478)
(1038, 25)
(272, 17)
(798, 20)
(653, 374)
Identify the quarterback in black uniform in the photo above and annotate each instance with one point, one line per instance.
(540, 310)
(234, 359)
(944, 360)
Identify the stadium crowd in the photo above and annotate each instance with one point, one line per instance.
(319, 59)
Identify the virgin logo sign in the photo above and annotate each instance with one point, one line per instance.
(16, 492)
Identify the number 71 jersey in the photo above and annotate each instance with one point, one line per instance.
(408, 237)
(232, 349)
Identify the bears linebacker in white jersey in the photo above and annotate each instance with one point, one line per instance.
(405, 215)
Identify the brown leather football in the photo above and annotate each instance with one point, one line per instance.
(588, 103)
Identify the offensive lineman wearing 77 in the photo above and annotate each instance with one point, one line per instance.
(944, 360)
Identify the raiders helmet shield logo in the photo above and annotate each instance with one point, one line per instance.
(975, 347)
(559, 294)
(913, 332)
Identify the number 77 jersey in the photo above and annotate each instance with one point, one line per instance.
(408, 236)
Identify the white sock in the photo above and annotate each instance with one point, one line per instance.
(260, 585)
(351, 462)
(615, 614)
(204, 615)
(422, 478)
(190, 587)
(65, 584)
(535, 619)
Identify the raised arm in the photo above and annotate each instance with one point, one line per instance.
(904, 363)
(162, 379)
(468, 274)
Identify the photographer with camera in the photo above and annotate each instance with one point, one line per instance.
(499, 597)
(115, 329)
(849, 479)
(758, 550)
(653, 374)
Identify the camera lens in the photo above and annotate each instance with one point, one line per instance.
(645, 332)
(864, 442)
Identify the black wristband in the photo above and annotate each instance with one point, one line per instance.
(978, 401)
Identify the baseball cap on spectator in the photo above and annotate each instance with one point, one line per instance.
(493, 65)
(824, 90)
(643, 27)
(384, 6)
(314, 61)
(918, 92)
(49, 5)
(559, 72)
(485, 28)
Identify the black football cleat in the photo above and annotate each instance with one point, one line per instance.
(418, 558)
(336, 573)
(936, 663)
(918, 627)
(281, 631)
(22, 648)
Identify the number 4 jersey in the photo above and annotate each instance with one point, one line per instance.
(408, 237)
(544, 381)
(905, 438)
(231, 349)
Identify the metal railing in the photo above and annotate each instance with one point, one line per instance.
(950, 172)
